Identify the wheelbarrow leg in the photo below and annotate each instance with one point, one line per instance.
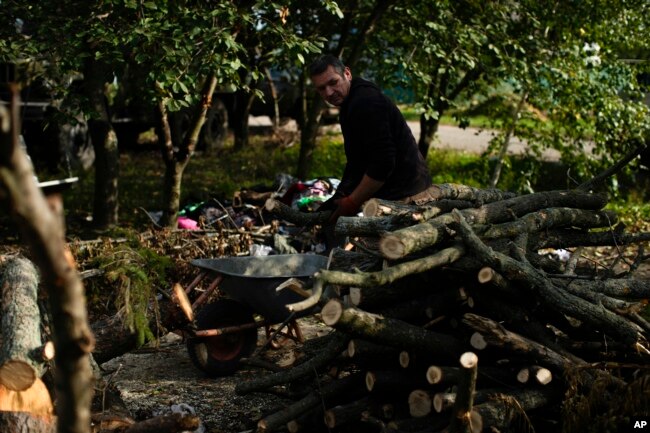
(292, 325)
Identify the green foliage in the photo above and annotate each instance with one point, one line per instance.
(136, 273)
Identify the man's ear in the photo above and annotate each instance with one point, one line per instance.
(347, 73)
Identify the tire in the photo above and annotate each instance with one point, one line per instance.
(220, 355)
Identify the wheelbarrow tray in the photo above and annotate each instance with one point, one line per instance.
(252, 280)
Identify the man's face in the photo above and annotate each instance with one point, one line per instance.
(331, 86)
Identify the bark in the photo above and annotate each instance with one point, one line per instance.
(21, 362)
(104, 140)
(337, 344)
(574, 306)
(177, 155)
(394, 381)
(549, 219)
(22, 422)
(340, 415)
(460, 419)
(303, 219)
(496, 335)
(479, 196)
(326, 393)
(628, 288)
(508, 409)
(393, 273)
(411, 239)
(43, 233)
(575, 238)
(411, 213)
(389, 331)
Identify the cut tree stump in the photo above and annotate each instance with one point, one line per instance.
(21, 360)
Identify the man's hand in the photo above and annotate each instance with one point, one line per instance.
(345, 206)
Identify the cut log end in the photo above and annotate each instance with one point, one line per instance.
(404, 359)
(270, 204)
(392, 247)
(331, 312)
(17, 375)
(477, 341)
(419, 403)
(434, 374)
(355, 296)
(371, 379)
(330, 419)
(485, 275)
(371, 208)
(468, 360)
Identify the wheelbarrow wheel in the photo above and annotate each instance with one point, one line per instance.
(220, 355)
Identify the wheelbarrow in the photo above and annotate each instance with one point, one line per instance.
(257, 291)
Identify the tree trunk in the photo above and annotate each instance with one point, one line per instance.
(177, 155)
(428, 131)
(241, 112)
(104, 140)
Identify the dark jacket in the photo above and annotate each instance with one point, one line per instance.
(379, 143)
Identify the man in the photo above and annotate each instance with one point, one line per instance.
(383, 160)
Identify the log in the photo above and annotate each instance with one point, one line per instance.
(303, 219)
(460, 418)
(628, 288)
(394, 381)
(496, 335)
(393, 273)
(340, 415)
(405, 241)
(546, 292)
(406, 215)
(444, 401)
(509, 409)
(368, 354)
(326, 393)
(337, 344)
(551, 218)
(385, 330)
(575, 238)
(464, 192)
(21, 362)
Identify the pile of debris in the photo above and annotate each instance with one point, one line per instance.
(453, 315)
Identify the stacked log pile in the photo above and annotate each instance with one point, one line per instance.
(447, 316)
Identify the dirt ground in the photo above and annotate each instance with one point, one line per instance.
(154, 381)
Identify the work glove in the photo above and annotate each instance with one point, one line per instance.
(344, 207)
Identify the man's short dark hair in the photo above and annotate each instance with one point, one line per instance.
(321, 64)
